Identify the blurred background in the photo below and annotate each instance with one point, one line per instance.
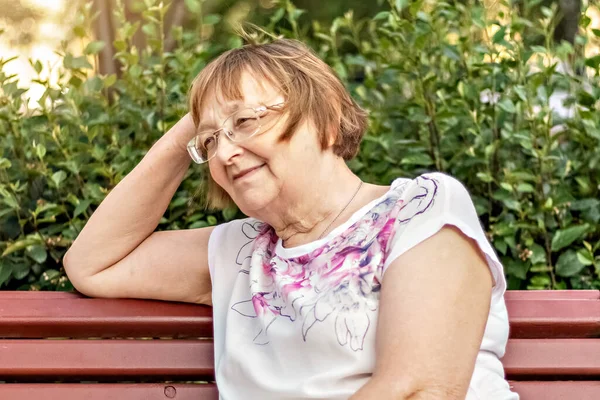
(35, 28)
(502, 94)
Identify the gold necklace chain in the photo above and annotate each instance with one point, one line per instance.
(343, 209)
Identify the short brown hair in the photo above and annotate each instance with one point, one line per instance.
(310, 87)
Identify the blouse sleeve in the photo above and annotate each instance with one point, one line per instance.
(213, 245)
(427, 204)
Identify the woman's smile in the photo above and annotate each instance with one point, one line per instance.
(247, 173)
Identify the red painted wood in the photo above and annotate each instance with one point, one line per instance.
(552, 294)
(557, 390)
(103, 391)
(535, 318)
(541, 314)
(106, 359)
(24, 294)
(553, 357)
(510, 294)
(31, 315)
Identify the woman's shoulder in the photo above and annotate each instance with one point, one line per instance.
(432, 190)
(437, 180)
(431, 201)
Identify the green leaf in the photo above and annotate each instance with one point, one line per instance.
(37, 253)
(198, 224)
(423, 16)
(538, 254)
(149, 29)
(135, 70)
(520, 91)
(94, 47)
(120, 45)
(381, 15)
(564, 237)
(10, 201)
(538, 49)
(276, 17)
(5, 272)
(417, 159)
(230, 213)
(38, 66)
(507, 105)
(58, 177)
(499, 36)
(485, 177)
(81, 62)
(40, 150)
(501, 246)
(568, 264)
(110, 80)
(525, 188)
(517, 268)
(20, 271)
(584, 257)
(195, 6)
(5, 163)
(593, 62)
(79, 31)
(539, 282)
(49, 274)
(211, 19)
(401, 4)
(20, 245)
(81, 207)
(212, 220)
(584, 204)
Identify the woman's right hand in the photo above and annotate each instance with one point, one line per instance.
(181, 133)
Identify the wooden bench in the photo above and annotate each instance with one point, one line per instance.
(146, 350)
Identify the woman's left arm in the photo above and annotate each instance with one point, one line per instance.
(434, 304)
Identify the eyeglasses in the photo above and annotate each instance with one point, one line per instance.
(239, 126)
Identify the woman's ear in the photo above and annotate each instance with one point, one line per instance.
(331, 138)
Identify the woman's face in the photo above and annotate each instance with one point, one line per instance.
(263, 170)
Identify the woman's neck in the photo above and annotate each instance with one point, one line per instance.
(301, 217)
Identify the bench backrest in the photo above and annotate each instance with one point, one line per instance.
(165, 350)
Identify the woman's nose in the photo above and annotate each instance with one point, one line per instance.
(227, 149)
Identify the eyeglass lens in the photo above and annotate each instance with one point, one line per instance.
(238, 127)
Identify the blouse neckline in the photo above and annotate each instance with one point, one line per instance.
(303, 249)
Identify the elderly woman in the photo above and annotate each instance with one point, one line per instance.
(332, 288)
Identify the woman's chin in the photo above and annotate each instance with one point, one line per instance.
(251, 204)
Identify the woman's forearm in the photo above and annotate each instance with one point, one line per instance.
(394, 390)
(133, 208)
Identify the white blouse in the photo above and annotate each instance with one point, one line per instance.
(299, 323)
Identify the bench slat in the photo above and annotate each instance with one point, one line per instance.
(24, 294)
(106, 359)
(103, 391)
(557, 390)
(552, 358)
(552, 295)
(32, 316)
(554, 318)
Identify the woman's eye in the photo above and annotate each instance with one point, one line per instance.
(208, 142)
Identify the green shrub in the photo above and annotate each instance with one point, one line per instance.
(447, 89)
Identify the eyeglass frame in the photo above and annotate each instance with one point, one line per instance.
(191, 146)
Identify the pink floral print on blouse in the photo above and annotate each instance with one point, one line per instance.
(339, 280)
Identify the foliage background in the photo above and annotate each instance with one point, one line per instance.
(491, 99)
